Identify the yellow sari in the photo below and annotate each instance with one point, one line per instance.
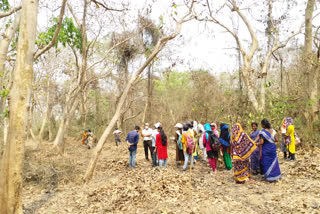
(292, 145)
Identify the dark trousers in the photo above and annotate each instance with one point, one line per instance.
(118, 141)
(292, 156)
(147, 144)
(154, 157)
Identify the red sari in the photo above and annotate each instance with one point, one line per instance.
(161, 150)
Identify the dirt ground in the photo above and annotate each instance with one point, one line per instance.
(53, 185)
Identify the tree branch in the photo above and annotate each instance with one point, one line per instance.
(105, 7)
(11, 11)
(214, 20)
(133, 116)
(74, 15)
(254, 44)
(96, 78)
(75, 56)
(56, 33)
(109, 50)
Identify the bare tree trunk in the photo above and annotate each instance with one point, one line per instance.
(97, 102)
(5, 42)
(12, 160)
(266, 63)
(147, 108)
(71, 99)
(281, 76)
(83, 110)
(312, 70)
(314, 93)
(149, 100)
(247, 77)
(308, 27)
(50, 129)
(240, 72)
(4, 45)
(264, 74)
(144, 112)
(46, 116)
(64, 125)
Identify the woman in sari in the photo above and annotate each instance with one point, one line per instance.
(196, 142)
(224, 140)
(242, 147)
(285, 123)
(255, 157)
(288, 138)
(179, 149)
(269, 159)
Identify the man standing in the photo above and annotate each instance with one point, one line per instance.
(132, 141)
(117, 137)
(147, 140)
(153, 152)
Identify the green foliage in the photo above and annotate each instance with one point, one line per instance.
(4, 5)
(174, 81)
(4, 93)
(9, 23)
(69, 34)
(161, 20)
(5, 114)
(149, 50)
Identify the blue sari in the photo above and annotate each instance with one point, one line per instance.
(269, 159)
(255, 156)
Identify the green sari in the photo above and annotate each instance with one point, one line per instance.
(227, 158)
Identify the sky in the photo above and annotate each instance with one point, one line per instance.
(200, 45)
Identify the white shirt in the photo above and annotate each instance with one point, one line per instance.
(147, 132)
(154, 135)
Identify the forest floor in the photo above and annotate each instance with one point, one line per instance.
(53, 184)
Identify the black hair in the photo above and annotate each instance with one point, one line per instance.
(137, 128)
(89, 130)
(116, 128)
(266, 123)
(222, 125)
(163, 136)
(189, 124)
(254, 123)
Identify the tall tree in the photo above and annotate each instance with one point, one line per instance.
(4, 47)
(313, 70)
(12, 160)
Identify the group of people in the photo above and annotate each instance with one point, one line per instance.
(88, 138)
(255, 153)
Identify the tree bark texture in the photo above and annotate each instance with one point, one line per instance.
(12, 160)
(308, 27)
